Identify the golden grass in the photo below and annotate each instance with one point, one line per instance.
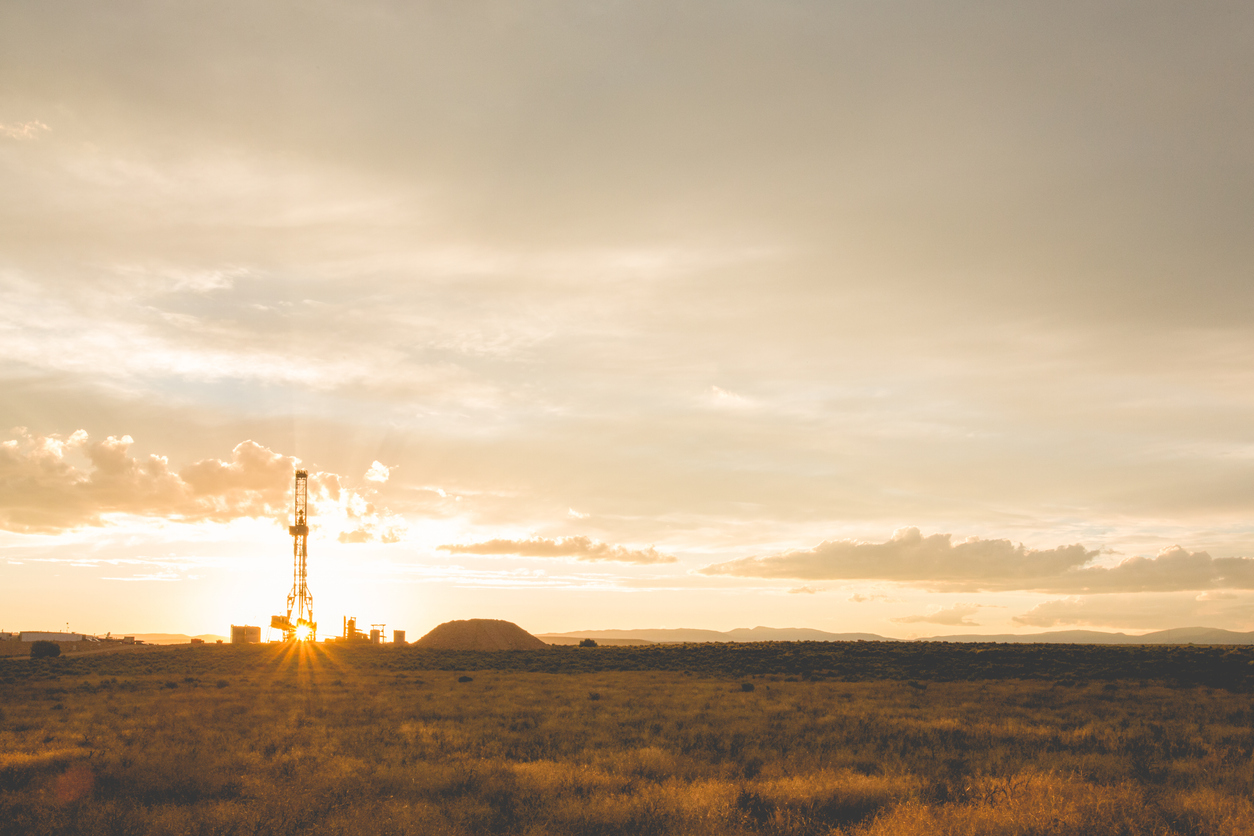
(305, 740)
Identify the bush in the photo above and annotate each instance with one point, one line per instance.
(44, 650)
(746, 686)
(588, 643)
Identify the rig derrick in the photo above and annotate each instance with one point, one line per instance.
(299, 624)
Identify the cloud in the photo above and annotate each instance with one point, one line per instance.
(859, 598)
(23, 130)
(1173, 569)
(910, 557)
(936, 562)
(41, 489)
(255, 482)
(378, 472)
(50, 484)
(580, 548)
(804, 590)
(163, 577)
(955, 616)
(373, 533)
(1065, 611)
(725, 399)
(1152, 610)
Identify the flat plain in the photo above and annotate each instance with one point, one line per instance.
(781, 738)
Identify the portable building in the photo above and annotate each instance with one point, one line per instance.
(245, 634)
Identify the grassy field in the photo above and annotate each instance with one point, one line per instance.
(831, 739)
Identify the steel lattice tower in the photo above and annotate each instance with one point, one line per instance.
(299, 623)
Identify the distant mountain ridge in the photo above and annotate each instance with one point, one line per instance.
(1176, 635)
(742, 634)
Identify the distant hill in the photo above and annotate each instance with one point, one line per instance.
(1176, 635)
(742, 634)
(480, 634)
(612, 638)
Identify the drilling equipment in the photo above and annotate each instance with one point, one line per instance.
(299, 601)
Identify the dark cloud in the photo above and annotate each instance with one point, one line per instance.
(936, 562)
(580, 548)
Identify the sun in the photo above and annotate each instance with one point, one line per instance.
(304, 633)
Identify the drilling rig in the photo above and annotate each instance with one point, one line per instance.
(299, 624)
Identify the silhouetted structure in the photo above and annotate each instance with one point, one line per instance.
(351, 633)
(240, 634)
(299, 600)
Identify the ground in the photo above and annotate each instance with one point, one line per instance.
(780, 739)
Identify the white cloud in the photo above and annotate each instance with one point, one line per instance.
(804, 590)
(49, 484)
(163, 577)
(378, 472)
(1142, 611)
(859, 598)
(580, 548)
(955, 616)
(23, 130)
(724, 399)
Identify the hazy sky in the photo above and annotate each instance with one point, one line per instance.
(908, 318)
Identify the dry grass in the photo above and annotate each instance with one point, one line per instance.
(310, 741)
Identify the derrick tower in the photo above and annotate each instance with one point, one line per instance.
(299, 624)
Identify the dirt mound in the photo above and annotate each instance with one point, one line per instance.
(480, 634)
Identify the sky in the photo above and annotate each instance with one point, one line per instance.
(894, 317)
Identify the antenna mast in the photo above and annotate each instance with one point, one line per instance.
(299, 624)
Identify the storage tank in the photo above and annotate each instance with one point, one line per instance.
(376, 637)
(398, 637)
